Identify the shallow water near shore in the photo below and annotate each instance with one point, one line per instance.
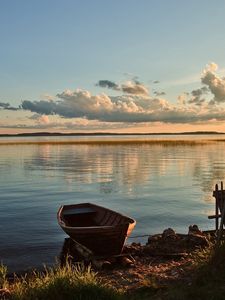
(160, 184)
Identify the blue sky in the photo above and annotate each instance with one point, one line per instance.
(48, 47)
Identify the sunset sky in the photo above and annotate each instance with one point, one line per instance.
(115, 66)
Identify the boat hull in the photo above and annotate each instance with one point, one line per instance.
(101, 240)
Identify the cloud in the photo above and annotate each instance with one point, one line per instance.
(80, 103)
(108, 84)
(133, 87)
(135, 105)
(48, 97)
(7, 106)
(215, 84)
(40, 107)
(211, 67)
(182, 99)
(158, 94)
(40, 119)
(62, 124)
(4, 105)
(197, 101)
(200, 92)
(196, 96)
(125, 108)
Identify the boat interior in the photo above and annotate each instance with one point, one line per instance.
(87, 215)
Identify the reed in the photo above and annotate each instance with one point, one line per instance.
(62, 282)
(163, 142)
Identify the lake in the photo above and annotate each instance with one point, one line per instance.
(161, 184)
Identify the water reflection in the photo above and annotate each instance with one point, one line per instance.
(129, 166)
(123, 167)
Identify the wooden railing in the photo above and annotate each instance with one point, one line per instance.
(219, 210)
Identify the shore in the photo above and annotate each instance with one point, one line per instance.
(166, 262)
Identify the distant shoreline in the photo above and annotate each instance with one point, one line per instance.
(33, 134)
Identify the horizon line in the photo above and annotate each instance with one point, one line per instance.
(106, 133)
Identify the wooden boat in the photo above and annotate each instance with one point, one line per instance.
(100, 229)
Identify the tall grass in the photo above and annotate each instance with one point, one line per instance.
(204, 281)
(3, 274)
(58, 283)
(208, 282)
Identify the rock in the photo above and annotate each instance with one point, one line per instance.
(135, 245)
(196, 240)
(169, 233)
(97, 264)
(74, 252)
(147, 249)
(126, 262)
(193, 229)
(107, 265)
(154, 238)
(196, 237)
(133, 249)
(112, 260)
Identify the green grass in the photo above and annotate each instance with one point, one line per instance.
(206, 280)
(58, 283)
(209, 280)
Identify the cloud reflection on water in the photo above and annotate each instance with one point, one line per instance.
(130, 166)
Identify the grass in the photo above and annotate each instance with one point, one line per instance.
(58, 283)
(206, 280)
(209, 279)
(3, 274)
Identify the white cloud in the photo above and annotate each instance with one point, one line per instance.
(128, 109)
(181, 99)
(215, 84)
(135, 88)
(48, 97)
(211, 67)
(135, 106)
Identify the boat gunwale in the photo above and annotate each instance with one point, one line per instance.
(92, 227)
(130, 221)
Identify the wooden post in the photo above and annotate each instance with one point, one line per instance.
(216, 208)
(222, 215)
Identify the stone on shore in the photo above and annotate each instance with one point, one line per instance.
(174, 244)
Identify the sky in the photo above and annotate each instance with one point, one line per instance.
(113, 66)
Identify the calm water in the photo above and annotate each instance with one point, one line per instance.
(159, 185)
